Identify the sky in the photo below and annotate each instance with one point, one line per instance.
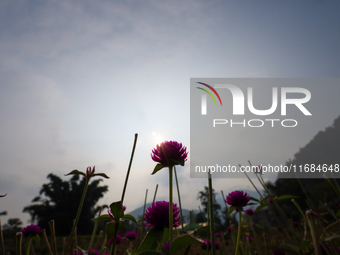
(78, 79)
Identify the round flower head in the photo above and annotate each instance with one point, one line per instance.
(295, 224)
(238, 198)
(250, 212)
(32, 230)
(158, 215)
(169, 153)
(119, 240)
(229, 228)
(132, 235)
(278, 252)
(206, 245)
(93, 252)
(218, 234)
(167, 246)
(250, 239)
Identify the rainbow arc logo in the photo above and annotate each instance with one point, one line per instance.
(212, 89)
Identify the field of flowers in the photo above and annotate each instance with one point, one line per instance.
(160, 231)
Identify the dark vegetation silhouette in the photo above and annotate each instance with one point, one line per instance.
(324, 148)
(59, 201)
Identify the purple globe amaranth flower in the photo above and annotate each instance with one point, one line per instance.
(278, 252)
(167, 246)
(218, 234)
(93, 252)
(169, 153)
(132, 235)
(250, 212)
(238, 198)
(119, 240)
(250, 239)
(270, 200)
(31, 230)
(229, 228)
(158, 215)
(296, 224)
(207, 245)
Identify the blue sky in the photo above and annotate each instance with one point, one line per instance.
(78, 79)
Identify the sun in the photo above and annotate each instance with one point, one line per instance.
(157, 138)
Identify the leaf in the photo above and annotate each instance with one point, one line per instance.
(231, 209)
(117, 210)
(3, 195)
(140, 220)
(157, 168)
(130, 217)
(261, 206)
(178, 162)
(252, 204)
(110, 230)
(77, 172)
(202, 229)
(183, 241)
(151, 240)
(36, 239)
(334, 236)
(104, 217)
(102, 175)
(165, 237)
(286, 197)
(254, 199)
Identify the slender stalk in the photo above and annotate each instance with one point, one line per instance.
(146, 196)
(225, 203)
(19, 243)
(77, 216)
(179, 199)
(238, 232)
(28, 245)
(53, 237)
(128, 172)
(312, 226)
(2, 239)
(211, 214)
(170, 206)
(154, 197)
(94, 230)
(46, 241)
(113, 247)
(300, 210)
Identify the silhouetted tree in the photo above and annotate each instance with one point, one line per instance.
(203, 197)
(12, 226)
(60, 203)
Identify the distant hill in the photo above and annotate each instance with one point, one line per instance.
(324, 148)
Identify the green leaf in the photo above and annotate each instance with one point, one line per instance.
(286, 197)
(102, 175)
(165, 237)
(76, 172)
(104, 217)
(130, 217)
(117, 210)
(254, 199)
(334, 236)
(231, 209)
(140, 220)
(259, 226)
(110, 230)
(151, 240)
(183, 241)
(157, 168)
(36, 239)
(178, 162)
(261, 206)
(252, 204)
(202, 229)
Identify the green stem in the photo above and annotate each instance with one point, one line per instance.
(211, 214)
(19, 243)
(77, 216)
(238, 232)
(46, 241)
(179, 199)
(28, 245)
(170, 205)
(146, 196)
(53, 237)
(113, 247)
(128, 172)
(94, 230)
(312, 226)
(154, 197)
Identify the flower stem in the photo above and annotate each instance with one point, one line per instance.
(28, 245)
(238, 232)
(170, 205)
(211, 215)
(19, 243)
(128, 172)
(77, 216)
(154, 197)
(179, 198)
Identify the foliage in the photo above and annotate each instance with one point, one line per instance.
(60, 203)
